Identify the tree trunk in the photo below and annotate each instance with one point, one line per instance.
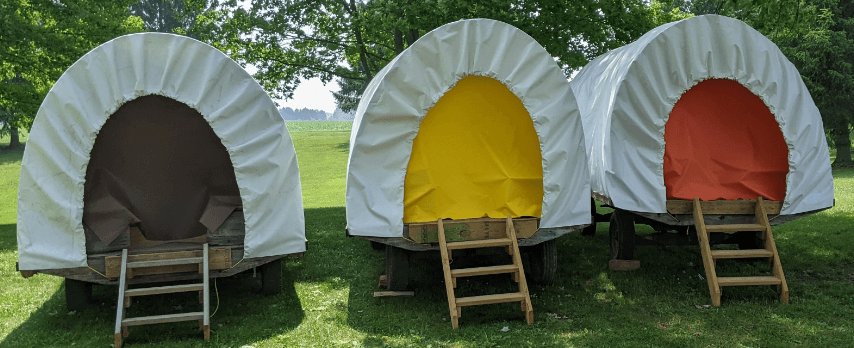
(842, 140)
(398, 41)
(14, 139)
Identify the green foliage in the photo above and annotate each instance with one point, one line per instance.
(39, 39)
(289, 40)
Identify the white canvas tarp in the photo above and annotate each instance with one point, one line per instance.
(53, 170)
(626, 95)
(398, 98)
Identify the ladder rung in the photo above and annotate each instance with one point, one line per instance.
(164, 290)
(167, 262)
(168, 318)
(741, 254)
(485, 243)
(470, 272)
(741, 281)
(735, 228)
(488, 299)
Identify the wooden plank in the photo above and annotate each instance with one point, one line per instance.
(741, 254)
(230, 233)
(735, 228)
(220, 258)
(159, 319)
(167, 262)
(743, 281)
(470, 229)
(623, 265)
(471, 272)
(486, 243)
(163, 290)
(744, 206)
(393, 293)
(489, 299)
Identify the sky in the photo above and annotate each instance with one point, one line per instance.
(312, 94)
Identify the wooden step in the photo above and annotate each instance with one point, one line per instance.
(166, 262)
(471, 272)
(164, 290)
(742, 281)
(741, 254)
(168, 318)
(488, 299)
(485, 243)
(735, 228)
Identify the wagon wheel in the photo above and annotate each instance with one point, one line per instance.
(542, 262)
(78, 294)
(271, 277)
(396, 268)
(622, 235)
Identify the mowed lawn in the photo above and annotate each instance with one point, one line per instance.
(327, 301)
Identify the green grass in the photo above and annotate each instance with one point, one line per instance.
(327, 295)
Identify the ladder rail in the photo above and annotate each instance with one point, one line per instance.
(206, 294)
(120, 308)
(706, 252)
(450, 283)
(523, 284)
(776, 265)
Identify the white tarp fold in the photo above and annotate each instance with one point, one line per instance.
(53, 170)
(626, 95)
(397, 99)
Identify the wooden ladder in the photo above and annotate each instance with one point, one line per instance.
(126, 294)
(711, 256)
(512, 247)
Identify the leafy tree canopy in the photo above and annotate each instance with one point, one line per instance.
(351, 40)
(39, 39)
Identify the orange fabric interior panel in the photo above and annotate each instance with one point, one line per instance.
(722, 142)
(476, 154)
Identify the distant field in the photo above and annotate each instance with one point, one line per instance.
(319, 126)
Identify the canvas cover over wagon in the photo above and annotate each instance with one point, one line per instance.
(707, 108)
(474, 122)
(157, 143)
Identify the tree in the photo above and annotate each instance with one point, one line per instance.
(39, 39)
(351, 40)
(170, 16)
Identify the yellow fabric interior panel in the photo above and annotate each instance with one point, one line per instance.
(476, 154)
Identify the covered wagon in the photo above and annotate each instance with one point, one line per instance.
(159, 148)
(474, 122)
(703, 124)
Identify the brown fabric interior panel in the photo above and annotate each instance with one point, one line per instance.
(109, 213)
(218, 209)
(164, 163)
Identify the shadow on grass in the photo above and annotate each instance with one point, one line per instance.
(343, 147)
(8, 237)
(240, 314)
(590, 305)
(8, 156)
